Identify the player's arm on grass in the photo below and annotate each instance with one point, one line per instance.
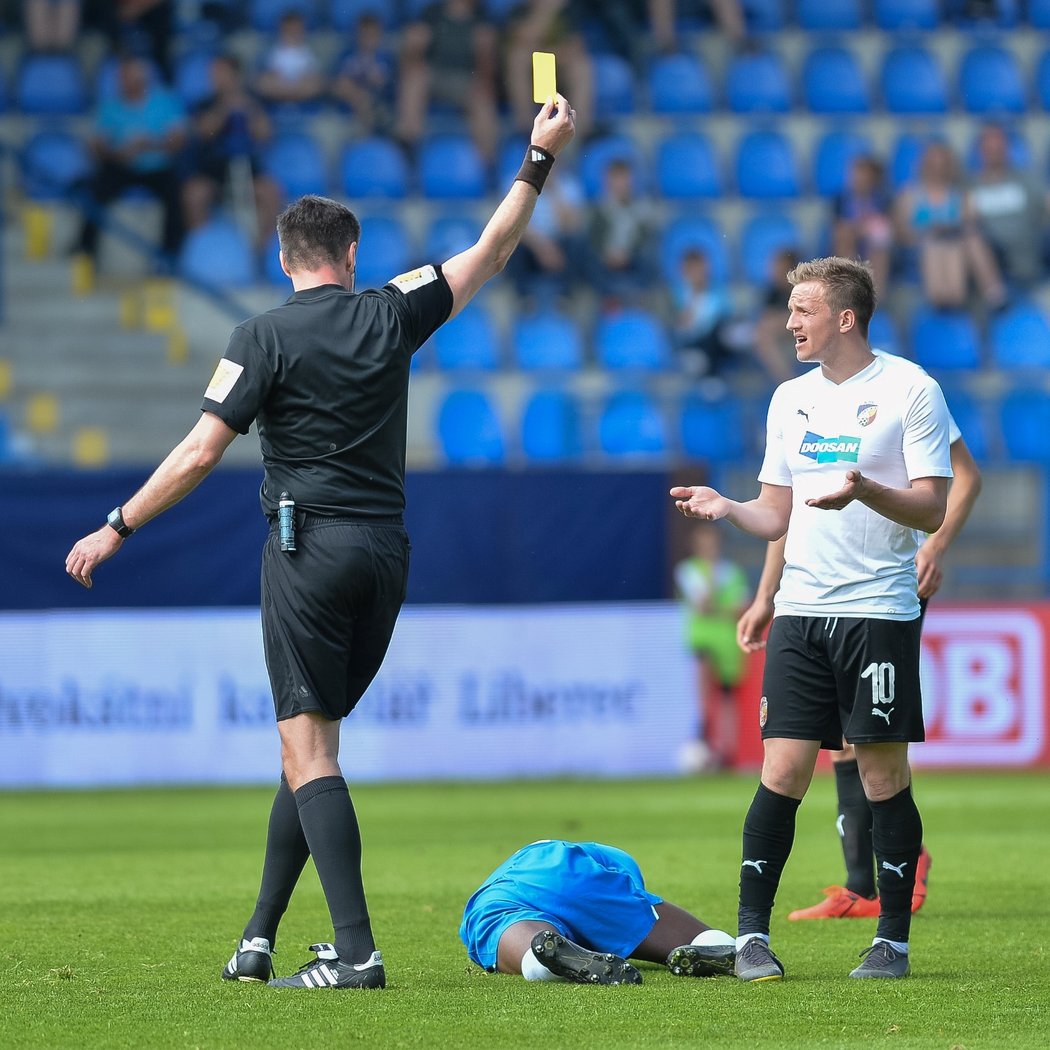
(766, 516)
(751, 627)
(185, 467)
(965, 488)
(552, 130)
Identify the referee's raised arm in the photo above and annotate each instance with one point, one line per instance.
(552, 130)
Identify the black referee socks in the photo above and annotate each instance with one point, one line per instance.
(897, 834)
(769, 831)
(854, 826)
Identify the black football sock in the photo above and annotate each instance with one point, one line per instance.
(286, 855)
(330, 825)
(897, 832)
(854, 826)
(769, 831)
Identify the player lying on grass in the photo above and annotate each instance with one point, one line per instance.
(576, 911)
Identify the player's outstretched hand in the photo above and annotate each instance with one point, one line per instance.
(853, 489)
(751, 627)
(698, 501)
(551, 130)
(90, 552)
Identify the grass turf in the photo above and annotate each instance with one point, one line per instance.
(118, 910)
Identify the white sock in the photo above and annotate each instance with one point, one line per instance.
(533, 970)
(901, 947)
(741, 941)
(713, 937)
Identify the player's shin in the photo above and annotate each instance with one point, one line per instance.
(769, 831)
(897, 834)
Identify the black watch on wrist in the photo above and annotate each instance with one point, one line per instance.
(115, 521)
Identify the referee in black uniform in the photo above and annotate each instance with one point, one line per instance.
(325, 379)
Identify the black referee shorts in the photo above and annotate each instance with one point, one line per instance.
(328, 611)
(835, 677)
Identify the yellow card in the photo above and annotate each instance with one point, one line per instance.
(544, 81)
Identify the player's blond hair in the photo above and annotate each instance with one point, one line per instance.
(847, 285)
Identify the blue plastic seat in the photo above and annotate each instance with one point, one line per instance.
(451, 168)
(883, 334)
(344, 14)
(1039, 13)
(631, 424)
(1022, 421)
(468, 341)
(762, 237)
(547, 341)
(218, 253)
(384, 253)
(50, 85)
(632, 339)
(685, 232)
(945, 339)
(766, 167)
(829, 14)
(550, 427)
(508, 160)
(596, 155)
(907, 14)
(758, 83)
(374, 167)
(1020, 338)
(192, 78)
(835, 152)
(913, 81)
(969, 416)
(680, 84)
(713, 429)
(990, 81)
(764, 16)
(906, 157)
(294, 160)
(833, 82)
(469, 429)
(265, 15)
(687, 167)
(52, 162)
(1042, 80)
(613, 85)
(449, 235)
(271, 263)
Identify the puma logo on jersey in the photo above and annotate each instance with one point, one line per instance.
(803, 414)
(841, 449)
(898, 868)
(756, 864)
(883, 714)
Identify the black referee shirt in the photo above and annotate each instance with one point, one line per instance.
(325, 377)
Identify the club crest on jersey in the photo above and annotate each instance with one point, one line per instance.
(866, 414)
(841, 449)
(763, 712)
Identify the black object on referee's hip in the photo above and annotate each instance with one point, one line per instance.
(286, 522)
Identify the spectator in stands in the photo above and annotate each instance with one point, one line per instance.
(621, 235)
(449, 56)
(51, 25)
(701, 310)
(140, 134)
(144, 27)
(1010, 208)
(773, 344)
(547, 25)
(728, 16)
(864, 219)
(291, 70)
(934, 217)
(227, 130)
(365, 77)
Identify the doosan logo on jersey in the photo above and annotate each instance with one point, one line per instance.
(830, 450)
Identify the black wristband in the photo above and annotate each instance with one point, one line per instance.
(535, 167)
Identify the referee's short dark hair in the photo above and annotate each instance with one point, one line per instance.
(847, 285)
(316, 231)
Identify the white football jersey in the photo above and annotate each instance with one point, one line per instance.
(891, 423)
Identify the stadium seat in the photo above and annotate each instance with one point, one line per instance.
(757, 82)
(265, 15)
(374, 167)
(295, 161)
(990, 82)
(680, 84)
(218, 253)
(344, 14)
(913, 82)
(766, 167)
(687, 167)
(833, 82)
(449, 235)
(713, 429)
(1042, 80)
(834, 153)
(468, 341)
(469, 429)
(904, 161)
(632, 339)
(907, 14)
(508, 160)
(883, 334)
(613, 86)
(550, 427)
(596, 155)
(1022, 422)
(192, 79)
(271, 263)
(829, 14)
(451, 168)
(50, 85)
(945, 339)
(500, 10)
(694, 231)
(547, 341)
(764, 16)
(763, 235)
(385, 251)
(1020, 338)
(1000, 14)
(969, 416)
(52, 162)
(631, 424)
(1039, 13)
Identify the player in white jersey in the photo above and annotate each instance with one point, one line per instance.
(856, 464)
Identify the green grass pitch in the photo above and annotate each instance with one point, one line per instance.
(118, 910)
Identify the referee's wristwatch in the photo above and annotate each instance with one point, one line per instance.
(116, 522)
